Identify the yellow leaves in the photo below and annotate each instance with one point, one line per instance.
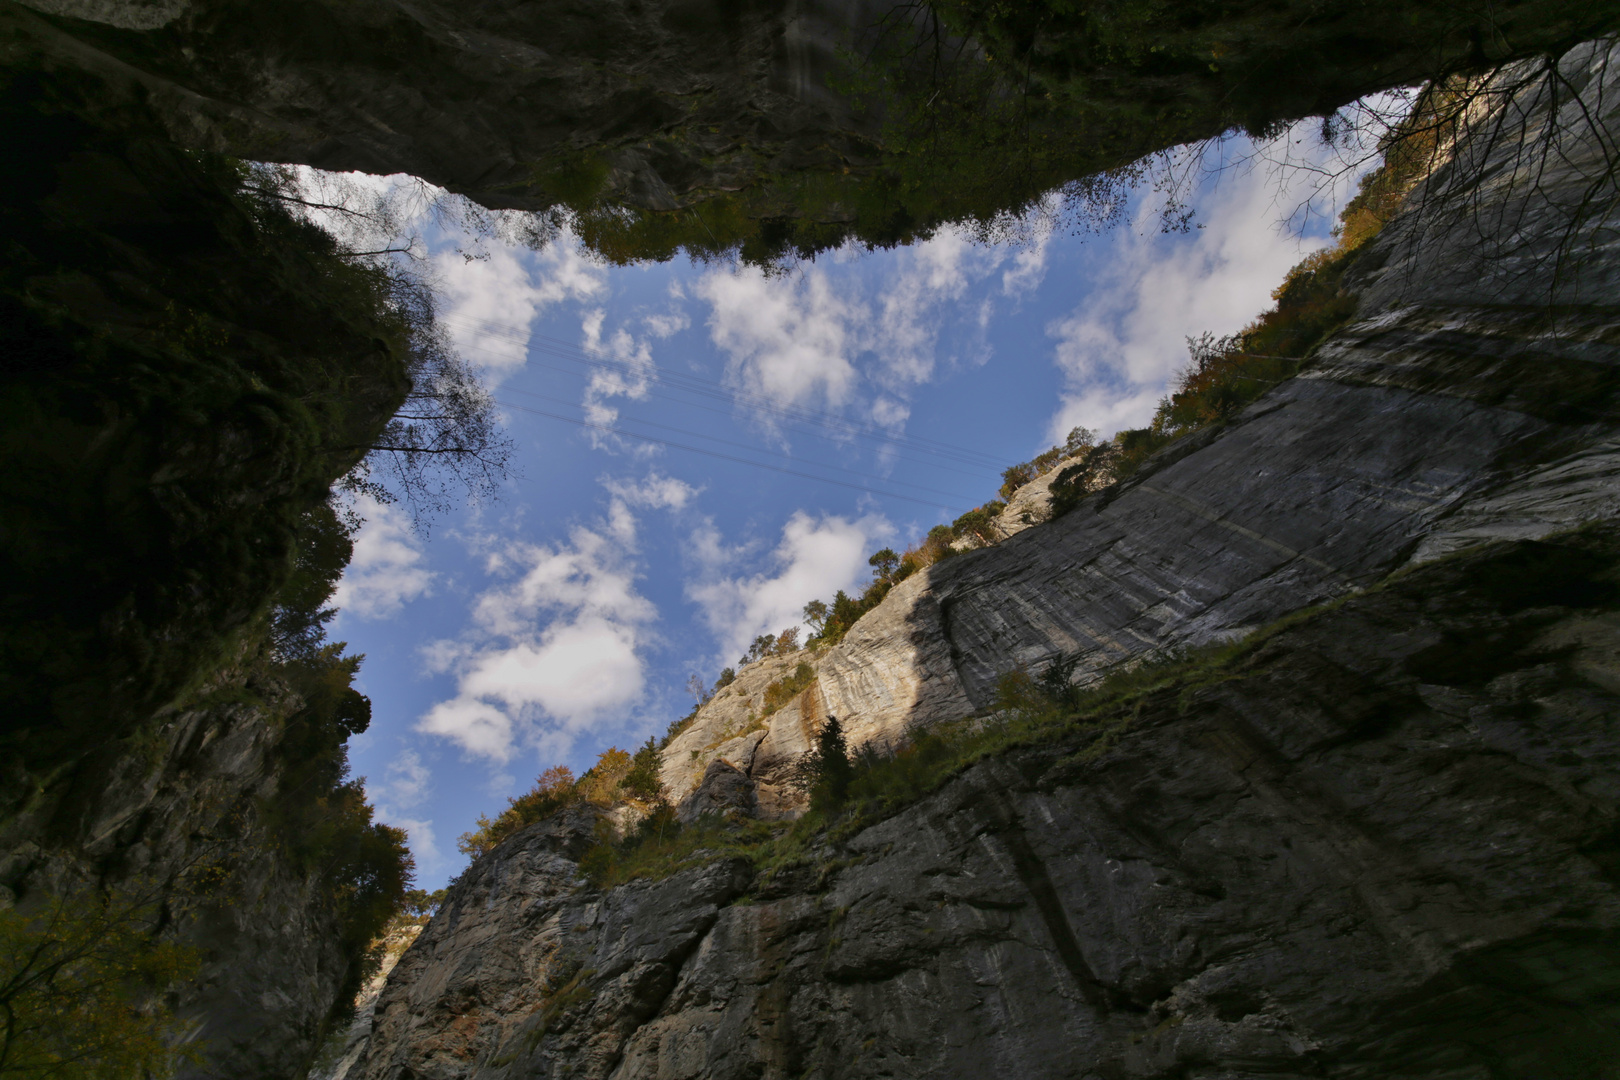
(601, 784)
(554, 789)
(82, 985)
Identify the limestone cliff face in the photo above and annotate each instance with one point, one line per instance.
(1383, 845)
(344, 1051)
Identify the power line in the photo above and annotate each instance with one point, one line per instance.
(727, 442)
(708, 388)
(727, 457)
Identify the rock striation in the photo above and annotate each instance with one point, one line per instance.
(1384, 844)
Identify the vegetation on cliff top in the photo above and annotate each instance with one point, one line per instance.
(852, 791)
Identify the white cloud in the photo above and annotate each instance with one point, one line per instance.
(405, 781)
(556, 648)
(387, 570)
(424, 846)
(654, 493)
(1119, 349)
(791, 341)
(630, 376)
(799, 341)
(492, 300)
(815, 558)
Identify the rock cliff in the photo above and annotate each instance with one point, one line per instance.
(176, 813)
(751, 120)
(1457, 405)
(1382, 842)
(1384, 845)
(183, 375)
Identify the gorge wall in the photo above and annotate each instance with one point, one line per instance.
(1367, 805)
(175, 820)
(776, 127)
(1381, 842)
(183, 375)
(1460, 403)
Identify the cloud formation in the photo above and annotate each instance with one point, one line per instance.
(388, 568)
(816, 557)
(631, 372)
(790, 341)
(406, 784)
(557, 646)
(490, 301)
(1119, 349)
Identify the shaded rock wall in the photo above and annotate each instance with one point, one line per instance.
(182, 377)
(672, 104)
(173, 813)
(1385, 846)
(495, 100)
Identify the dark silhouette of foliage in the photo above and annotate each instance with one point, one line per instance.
(421, 905)
(643, 780)
(826, 771)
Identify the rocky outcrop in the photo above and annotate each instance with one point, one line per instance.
(1384, 845)
(1381, 843)
(346, 1050)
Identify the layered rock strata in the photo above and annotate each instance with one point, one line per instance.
(1385, 845)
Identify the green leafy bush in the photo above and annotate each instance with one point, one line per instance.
(643, 781)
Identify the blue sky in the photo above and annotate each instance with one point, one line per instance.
(568, 615)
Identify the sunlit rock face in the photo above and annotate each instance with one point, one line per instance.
(1385, 846)
(1472, 397)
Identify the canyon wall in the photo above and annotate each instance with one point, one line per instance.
(778, 127)
(1381, 843)
(183, 375)
(173, 819)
